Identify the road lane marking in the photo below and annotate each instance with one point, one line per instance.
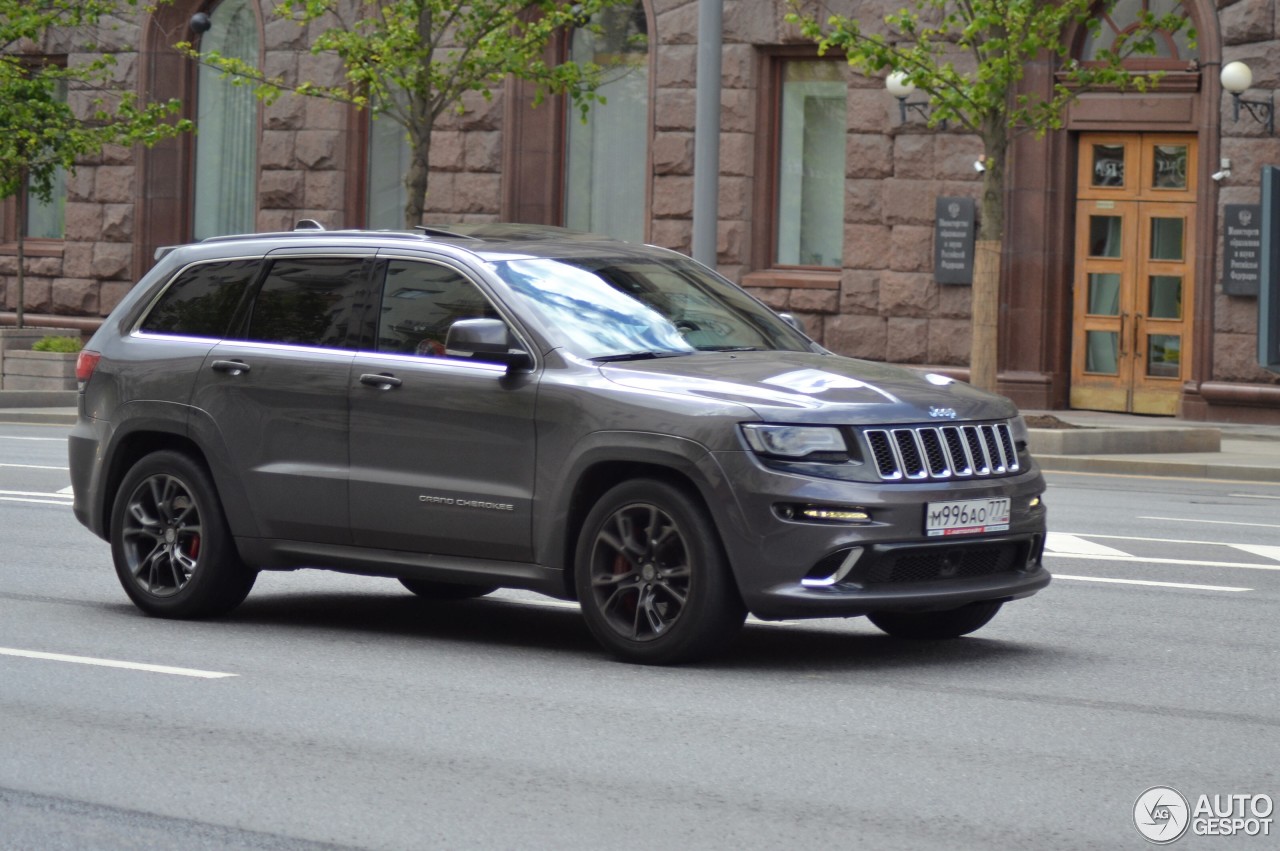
(13, 437)
(1184, 585)
(1252, 496)
(69, 490)
(1181, 561)
(1259, 550)
(34, 467)
(62, 502)
(1058, 542)
(57, 495)
(1215, 522)
(113, 663)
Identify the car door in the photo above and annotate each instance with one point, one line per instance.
(442, 447)
(276, 395)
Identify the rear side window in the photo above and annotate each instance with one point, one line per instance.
(310, 301)
(202, 301)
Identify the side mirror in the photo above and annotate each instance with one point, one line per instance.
(794, 322)
(485, 340)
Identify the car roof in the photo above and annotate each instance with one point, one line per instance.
(489, 241)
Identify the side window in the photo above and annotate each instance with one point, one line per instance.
(419, 303)
(309, 301)
(200, 303)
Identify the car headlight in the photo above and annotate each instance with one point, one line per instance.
(810, 443)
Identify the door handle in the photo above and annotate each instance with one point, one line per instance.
(1137, 337)
(382, 381)
(231, 367)
(1124, 340)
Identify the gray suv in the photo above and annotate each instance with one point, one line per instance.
(491, 406)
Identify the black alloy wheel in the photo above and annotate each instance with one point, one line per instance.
(651, 576)
(169, 539)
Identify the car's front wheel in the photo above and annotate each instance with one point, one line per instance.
(951, 623)
(172, 549)
(652, 578)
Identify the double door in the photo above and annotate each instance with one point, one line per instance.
(1135, 262)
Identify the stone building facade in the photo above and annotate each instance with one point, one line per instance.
(1138, 335)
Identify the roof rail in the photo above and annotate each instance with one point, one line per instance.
(428, 230)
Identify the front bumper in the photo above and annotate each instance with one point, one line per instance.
(788, 568)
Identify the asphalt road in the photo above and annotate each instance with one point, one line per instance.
(332, 711)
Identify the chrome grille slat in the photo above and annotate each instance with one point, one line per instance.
(930, 452)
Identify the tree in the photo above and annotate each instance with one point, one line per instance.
(409, 61)
(45, 131)
(968, 56)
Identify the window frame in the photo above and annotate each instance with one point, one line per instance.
(766, 272)
(33, 246)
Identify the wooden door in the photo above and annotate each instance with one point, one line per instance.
(1134, 260)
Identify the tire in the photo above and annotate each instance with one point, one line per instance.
(172, 549)
(951, 623)
(652, 578)
(446, 590)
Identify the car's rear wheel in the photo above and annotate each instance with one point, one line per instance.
(172, 549)
(652, 578)
(446, 590)
(951, 623)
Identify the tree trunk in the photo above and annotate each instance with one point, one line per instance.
(21, 212)
(417, 178)
(985, 344)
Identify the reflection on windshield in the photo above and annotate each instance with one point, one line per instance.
(629, 306)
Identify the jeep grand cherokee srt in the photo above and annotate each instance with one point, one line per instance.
(500, 406)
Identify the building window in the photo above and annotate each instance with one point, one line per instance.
(1173, 50)
(40, 219)
(389, 155)
(811, 164)
(226, 129)
(606, 158)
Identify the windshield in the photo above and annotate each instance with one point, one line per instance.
(612, 308)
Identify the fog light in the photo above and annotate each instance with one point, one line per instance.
(1035, 502)
(834, 515)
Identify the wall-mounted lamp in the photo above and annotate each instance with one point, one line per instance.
(1237, 78)
(901, 87)
(201, 23)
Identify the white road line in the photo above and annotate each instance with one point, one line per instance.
(34, 467)
(1154, 540)
(1182, 561)
(35, 493)
(1215, 522)
(36, 501)
(1058, 542)
(1057, 576)
(112, 663)
(10, 437)
(1259, 550)
(68, 490)
(1252, 496)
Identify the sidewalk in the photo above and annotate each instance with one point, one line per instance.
(1243, 452)
(1119, 444)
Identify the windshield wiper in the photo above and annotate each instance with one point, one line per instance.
(638, 356)
(730, 349)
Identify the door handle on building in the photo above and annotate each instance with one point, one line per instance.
(1124, 340)
(1137, 337)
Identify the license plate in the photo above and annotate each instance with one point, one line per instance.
(966, 517)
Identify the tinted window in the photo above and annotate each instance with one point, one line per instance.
(309, 301)
(419, 303)
(201, 301)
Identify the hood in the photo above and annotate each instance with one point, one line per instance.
(807, 387)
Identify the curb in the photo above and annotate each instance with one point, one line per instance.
(1163, 468)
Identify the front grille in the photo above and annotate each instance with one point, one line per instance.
(963, 562)
(923, 453)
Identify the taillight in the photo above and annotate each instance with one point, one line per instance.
(86, 363)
